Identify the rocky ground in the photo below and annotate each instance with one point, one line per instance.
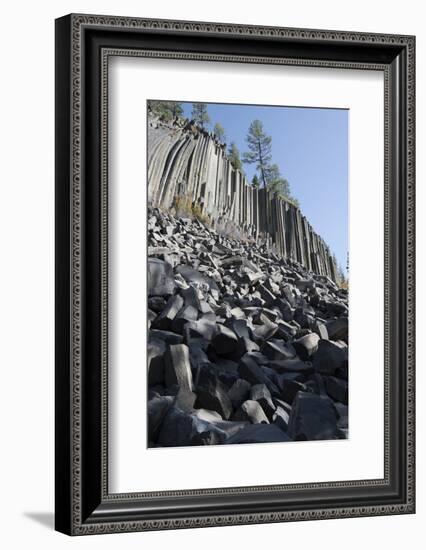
(243, 346)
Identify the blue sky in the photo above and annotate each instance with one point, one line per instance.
(311, 148)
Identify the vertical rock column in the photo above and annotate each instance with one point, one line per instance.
(187, 161)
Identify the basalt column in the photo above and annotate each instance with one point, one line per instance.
(186, 161)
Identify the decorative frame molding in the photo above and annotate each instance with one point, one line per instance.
(84, 44)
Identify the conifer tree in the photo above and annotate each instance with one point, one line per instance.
(200, 114)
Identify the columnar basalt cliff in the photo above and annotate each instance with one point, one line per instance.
(186, 161)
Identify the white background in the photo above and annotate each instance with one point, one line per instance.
(361, 457)
(26, 229)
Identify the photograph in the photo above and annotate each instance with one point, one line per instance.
(234, 272)
(247, 273)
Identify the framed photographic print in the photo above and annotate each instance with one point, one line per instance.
(234, 274)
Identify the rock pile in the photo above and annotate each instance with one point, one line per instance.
(243, 346)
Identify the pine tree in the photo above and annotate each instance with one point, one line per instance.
(276, 182)
(220, 132)
(200, 114)
(294, 201)
(234, 156)
(166, 109)
(279, 185)
(176, 108)
(260, 149)
(255, 182)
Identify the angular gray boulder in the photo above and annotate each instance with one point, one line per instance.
(329, 357)
(160, 278)
(306, 346)
(163, 321)
(213, 395)
(239, 392)
(225, 341)
(262, 395)
(178, 367)
(251, 411)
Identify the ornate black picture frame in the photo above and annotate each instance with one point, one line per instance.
(83, 45)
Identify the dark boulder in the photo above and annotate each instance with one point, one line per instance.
(155, 361)
(180, 428)
(251, 371)
(163, 321)
(337, 389)
(187, 313)
(225, 341)
(313, 417)
(338, 329)
(167, 336)
(259, 433)
(306, 346)
(157, 410)
(290, 388)
(329, 357)
(304, 318)
(292, 365)
(213, 395)
(157, 303)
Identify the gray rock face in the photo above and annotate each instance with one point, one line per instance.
(237, 334)
(188, 162)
